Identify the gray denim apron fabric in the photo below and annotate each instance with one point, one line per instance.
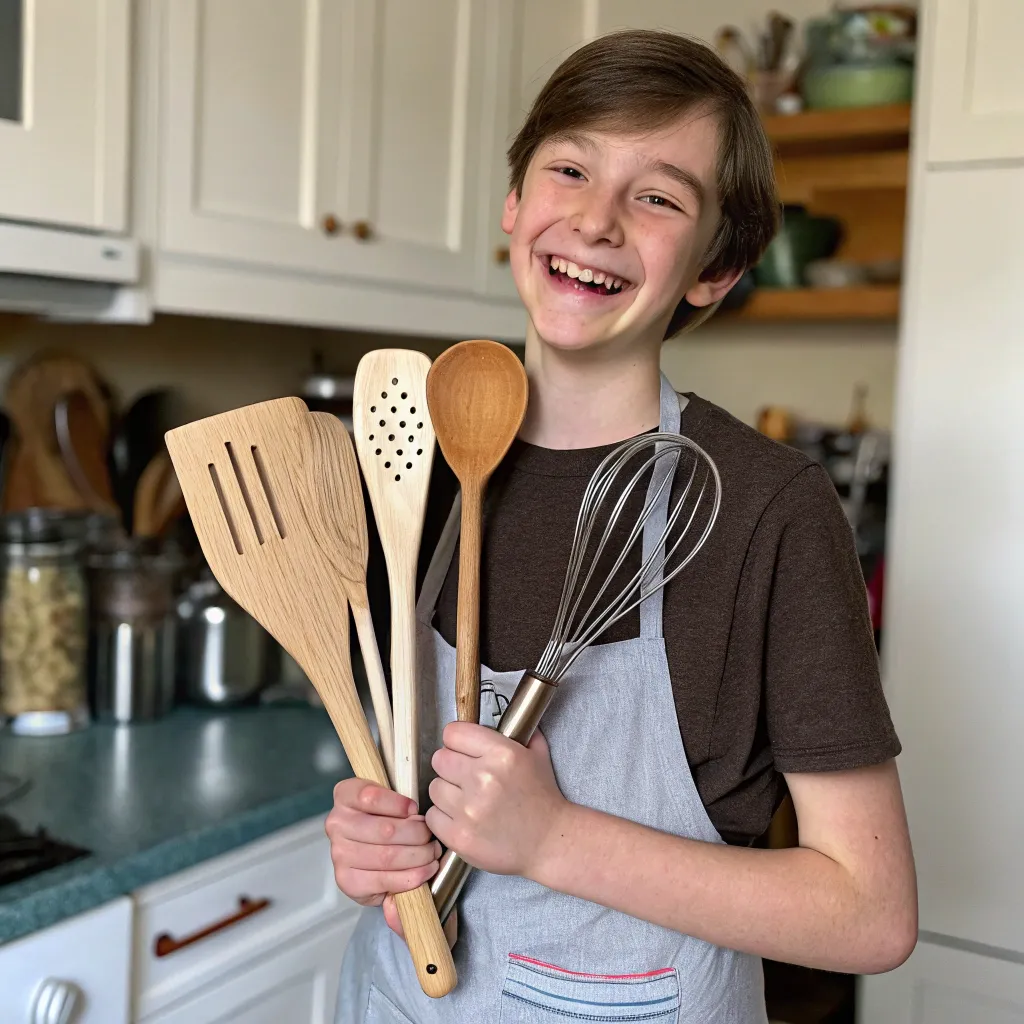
(526, 954)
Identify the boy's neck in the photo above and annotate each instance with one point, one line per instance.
(587, 399)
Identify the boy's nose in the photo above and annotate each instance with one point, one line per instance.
(597, 219)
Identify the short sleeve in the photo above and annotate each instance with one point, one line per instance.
(824, 705)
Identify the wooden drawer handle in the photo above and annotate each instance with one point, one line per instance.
(165, 945)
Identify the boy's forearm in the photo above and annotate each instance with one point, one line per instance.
(796, 905)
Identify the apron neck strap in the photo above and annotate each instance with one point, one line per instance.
(651, 609)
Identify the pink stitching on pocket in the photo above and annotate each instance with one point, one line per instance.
(582, 974)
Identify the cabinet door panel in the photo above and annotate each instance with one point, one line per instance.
(418, 118)
(976, 80)
(64, 111)
(250, 142)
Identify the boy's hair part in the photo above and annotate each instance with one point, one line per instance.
(636, 81)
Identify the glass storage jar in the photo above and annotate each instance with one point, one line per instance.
(44, 625)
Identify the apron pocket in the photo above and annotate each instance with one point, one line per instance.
(536, 992)
(380, 1009)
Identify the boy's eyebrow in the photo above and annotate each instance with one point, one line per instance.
(681, 176)
(687, 179)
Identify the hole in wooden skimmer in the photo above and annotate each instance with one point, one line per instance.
(275, 509)
(224, 508)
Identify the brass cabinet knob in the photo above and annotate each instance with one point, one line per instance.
(331, 224)
(363, 230)
(501, 254)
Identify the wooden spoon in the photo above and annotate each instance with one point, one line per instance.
(395, 442)
(338, 485)
(246, 479)
(147, 494)
(477, 394)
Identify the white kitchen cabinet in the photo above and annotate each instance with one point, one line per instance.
(298, 984)
(84, 961)
(193, 931)
(64, 111)
(976, 106)
(334, 137)
(943, 985)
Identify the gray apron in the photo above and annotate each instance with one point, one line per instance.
(527, 954)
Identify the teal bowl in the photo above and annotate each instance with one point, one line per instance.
(801, 239)
(857, 85)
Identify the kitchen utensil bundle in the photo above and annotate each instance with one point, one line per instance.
(255, 484)
(395, 441)
(476, 394)
(599, 588)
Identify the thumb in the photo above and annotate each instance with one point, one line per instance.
(539, 744)
(391, 918)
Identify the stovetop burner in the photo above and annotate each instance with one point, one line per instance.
(23, 854)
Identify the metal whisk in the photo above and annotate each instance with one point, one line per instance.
(594, 597)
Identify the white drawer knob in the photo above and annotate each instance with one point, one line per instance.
(56, 1002)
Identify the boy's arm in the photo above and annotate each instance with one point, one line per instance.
(844, 900)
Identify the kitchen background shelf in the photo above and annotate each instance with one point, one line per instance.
(872, 302)
(850, 165)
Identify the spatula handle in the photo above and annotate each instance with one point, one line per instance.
(467, 642)
(423, 933)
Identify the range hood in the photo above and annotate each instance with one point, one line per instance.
(64, 274)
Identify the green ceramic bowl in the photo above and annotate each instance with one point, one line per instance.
(857, 85)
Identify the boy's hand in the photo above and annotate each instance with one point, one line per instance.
(379, 845)
(495, 802)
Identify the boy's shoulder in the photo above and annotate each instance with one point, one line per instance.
(757, 472)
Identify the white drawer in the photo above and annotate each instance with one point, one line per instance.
(297, 985)
(288, 879)
(88, 956)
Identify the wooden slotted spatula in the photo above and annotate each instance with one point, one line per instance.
(395, 442)
(476, 393)
(337, 484)
(245, 476)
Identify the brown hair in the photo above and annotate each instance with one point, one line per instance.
(638, 81)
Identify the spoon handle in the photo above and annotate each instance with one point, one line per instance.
(467, 645)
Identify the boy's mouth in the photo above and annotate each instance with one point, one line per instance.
(584, 278)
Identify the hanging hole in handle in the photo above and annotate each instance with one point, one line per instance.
(394, 380)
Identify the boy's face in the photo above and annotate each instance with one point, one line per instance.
(636, 212)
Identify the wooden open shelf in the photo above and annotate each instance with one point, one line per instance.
(857, 125)
(871, 302)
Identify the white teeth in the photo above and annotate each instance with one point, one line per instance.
(586, 275)
(572, 270)
(553, 262)
(618, 283)
(563, 265)
(598, 277)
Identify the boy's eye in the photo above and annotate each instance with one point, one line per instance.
(572, 172)
(659, 201)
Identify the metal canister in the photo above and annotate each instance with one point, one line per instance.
(132, 661)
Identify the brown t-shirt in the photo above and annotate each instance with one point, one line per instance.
(769, 644)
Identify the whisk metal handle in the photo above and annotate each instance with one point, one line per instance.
(519, 723)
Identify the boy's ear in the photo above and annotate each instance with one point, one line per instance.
(704, 293)
(509, 212)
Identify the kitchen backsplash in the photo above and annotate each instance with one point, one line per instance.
(220, 364)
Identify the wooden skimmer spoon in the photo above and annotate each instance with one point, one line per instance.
(476, 393)
(395, 442)
(246, 479)
(338, 485)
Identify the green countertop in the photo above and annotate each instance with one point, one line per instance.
(155, 798)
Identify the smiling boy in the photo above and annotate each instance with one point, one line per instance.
(618, 879)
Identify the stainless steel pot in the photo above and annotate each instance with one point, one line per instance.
(225, 656)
